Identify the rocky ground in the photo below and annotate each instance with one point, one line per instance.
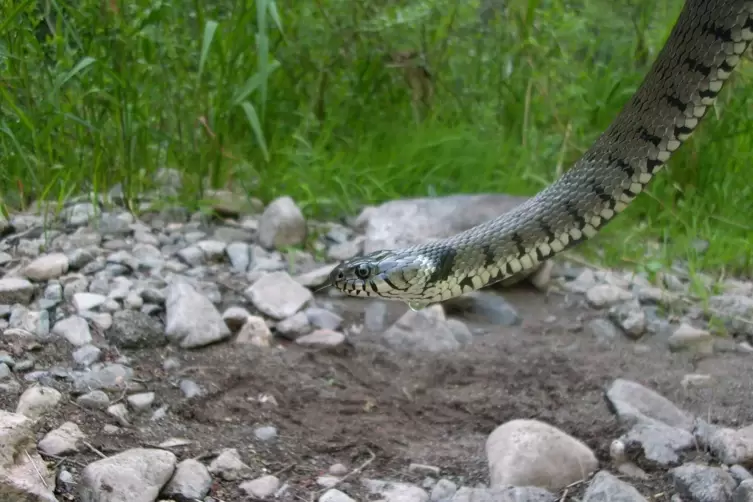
(187, 357)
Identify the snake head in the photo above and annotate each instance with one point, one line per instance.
(387, 274)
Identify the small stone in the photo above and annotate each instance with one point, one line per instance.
(120, 413)
(46, 267)
(235, 318)
(686, 337)
(632, 402)
(282, 224)
(428, 470)
(443, 490)
(191, 481)
(605, 486)
(141, 402)
(229, 466)
(321, 339)
(14, 290)
(338, 470)
(333, 495)
(603, 295)
(266, 433)
(87, 301)
(37, 401)
(192, 319)
(256, 332)
(262, 487)
(74, 329)
(277, 295)
(62, 440)
(94, 400)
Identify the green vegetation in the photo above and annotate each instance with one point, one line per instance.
(304, 98)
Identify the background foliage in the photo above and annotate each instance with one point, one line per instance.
(314, 99)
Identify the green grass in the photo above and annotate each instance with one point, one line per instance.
(295, 98)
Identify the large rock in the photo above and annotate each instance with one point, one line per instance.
(135, 475)
(401, 223)
(24, 476)
(533, 453)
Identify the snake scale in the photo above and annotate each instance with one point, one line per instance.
(704, 47)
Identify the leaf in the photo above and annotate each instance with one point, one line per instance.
(206, 43)
(253, 120)
(80, 67)
(253, 83)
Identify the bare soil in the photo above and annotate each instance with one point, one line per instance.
(365, 404)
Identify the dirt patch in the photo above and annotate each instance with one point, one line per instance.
(435, 409)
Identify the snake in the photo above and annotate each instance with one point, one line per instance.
(706, 44)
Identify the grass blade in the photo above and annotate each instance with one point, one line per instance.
(253, 120)
(206, 44)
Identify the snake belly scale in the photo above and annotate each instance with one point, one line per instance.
(704, 47)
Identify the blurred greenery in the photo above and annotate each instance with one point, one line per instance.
(339, 103)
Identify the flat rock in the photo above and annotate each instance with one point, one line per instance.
(631, 401)
(277, 295)
(503, 494)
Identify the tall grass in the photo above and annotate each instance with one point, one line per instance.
(308, 99)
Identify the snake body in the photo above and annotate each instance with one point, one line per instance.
(704, 47)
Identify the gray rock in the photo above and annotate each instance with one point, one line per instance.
(46, 267)
(406, 222)
(15, 290)
(111, 376)
(277, 295)
(74, 329)
(229, 466)
(23, 477)
(740, 473)
(734, 309)
(238, 253)
(87, 301)
(192, 320)
(135, 475)
(321, 339)
(256, 332)
(504, 494)
(265, 433)
(744, 492)
(38, 401)
(262, 487)
(533, 453)
(443, 491)
(294, 326)
(323, 318)
(191, 481)
(603, 330)
(630, 317)
(87, 355)
(424, 330)
(606, 487)
(94, 400)
(701, 483)
(631, 402)
(142, 401)
(333, 495)
(62, 440)
(732, 446)
(686, 337)
(484, 307)
(395, 492)
(134, 330)
(282, 224)
(604, 295)
(662, 444)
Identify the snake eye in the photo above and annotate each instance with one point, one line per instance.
(362, 271)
